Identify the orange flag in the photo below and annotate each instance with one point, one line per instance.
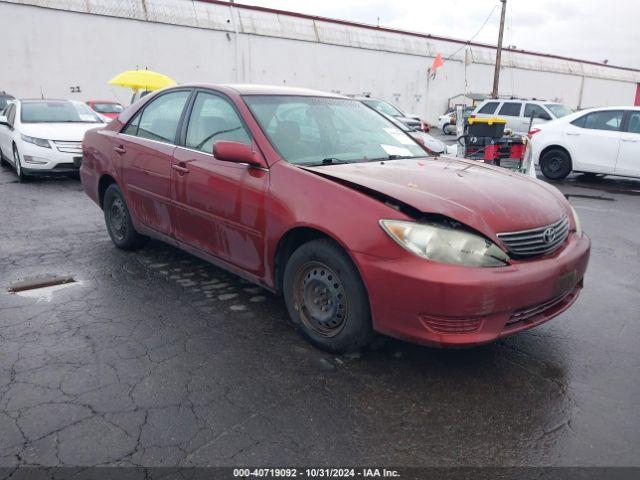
(437, 62)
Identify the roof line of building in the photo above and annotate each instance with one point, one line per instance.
(407, 32)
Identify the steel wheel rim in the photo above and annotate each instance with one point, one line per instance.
(320, 299)
(555, 164)
(117, 218)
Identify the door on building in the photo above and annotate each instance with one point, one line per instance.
(637, 102)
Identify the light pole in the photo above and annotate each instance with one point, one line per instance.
(496, 74)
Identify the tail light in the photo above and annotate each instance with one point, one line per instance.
(532, 132)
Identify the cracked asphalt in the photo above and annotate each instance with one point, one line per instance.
(157, 358)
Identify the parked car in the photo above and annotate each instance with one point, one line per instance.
(4, 100)
(44, 136)
(518, 112)
(596, 141)
(432, 145)
(315, 196)
(447, 122)
(412, 121)
(106, 108)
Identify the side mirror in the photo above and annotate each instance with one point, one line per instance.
(235, 152)
(4, 121)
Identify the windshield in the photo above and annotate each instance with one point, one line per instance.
(57, 112)
(558, 110)
(108, 107)
(384, 107)
(320, 130)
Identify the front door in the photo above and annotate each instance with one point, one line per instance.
(219, 205)
(145, 150)
(629, 154)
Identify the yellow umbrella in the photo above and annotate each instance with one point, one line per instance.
(142, 80)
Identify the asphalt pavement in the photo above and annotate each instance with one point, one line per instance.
(158, 358)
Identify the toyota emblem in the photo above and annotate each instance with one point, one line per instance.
(549, 235)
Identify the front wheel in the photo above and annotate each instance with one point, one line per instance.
(555, 164)
(18, 166)
(118, 220)
(326, 298)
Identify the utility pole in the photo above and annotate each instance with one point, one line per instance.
(496, 74)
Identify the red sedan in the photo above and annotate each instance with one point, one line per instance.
(108, 108)
(316, 196)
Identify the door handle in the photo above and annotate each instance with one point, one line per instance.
(573, 134)
(180, 168)
(629, 140)
(120, 149)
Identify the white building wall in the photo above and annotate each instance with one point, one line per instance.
(54, 45)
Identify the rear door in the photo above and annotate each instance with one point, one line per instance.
(629, 155)
(219, 204)
(594, 140)
(144, 149)
(511, 112)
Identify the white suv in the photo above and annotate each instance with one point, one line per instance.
(518, 112)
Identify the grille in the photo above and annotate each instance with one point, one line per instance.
(68, 147)
(536, 241)
(451, 326)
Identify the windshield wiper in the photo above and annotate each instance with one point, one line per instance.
(326, 161)
(393, 157)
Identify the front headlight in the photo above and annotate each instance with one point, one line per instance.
(445, 244)
(41, 142)
(576, 220)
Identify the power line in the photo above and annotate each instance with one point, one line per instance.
(475, 34)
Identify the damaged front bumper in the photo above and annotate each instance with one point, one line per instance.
(448, 305)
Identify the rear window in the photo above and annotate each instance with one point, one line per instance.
(511, 109)
(57, 112)
(489, 107)
(558, 109)
(108, 107)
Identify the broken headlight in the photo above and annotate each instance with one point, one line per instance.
(444, 244)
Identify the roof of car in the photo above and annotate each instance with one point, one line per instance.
(254, 89)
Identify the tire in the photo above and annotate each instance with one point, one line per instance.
(118, 220)
(555, 164)
(22, 178)
(326, 299)
(449, 129)
(3, 162)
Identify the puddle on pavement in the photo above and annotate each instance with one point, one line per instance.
(42, 288)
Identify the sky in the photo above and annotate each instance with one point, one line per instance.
(595, 30)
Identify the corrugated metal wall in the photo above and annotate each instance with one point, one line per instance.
(58, 44)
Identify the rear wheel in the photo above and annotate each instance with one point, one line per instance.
(326, 298)
(555, 164)
(118, 220)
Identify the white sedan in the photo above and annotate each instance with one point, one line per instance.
(44, 136)
(597, 141)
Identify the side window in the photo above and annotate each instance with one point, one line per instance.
(604, 120)
(213, 119)
(510, 109)
(634, 122)
(159, 120)
(489, 107)
(537, 110)
(132, 128)
(11, 114)
(579, 122)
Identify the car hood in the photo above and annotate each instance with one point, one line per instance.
(488, 199)
(69, 132)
